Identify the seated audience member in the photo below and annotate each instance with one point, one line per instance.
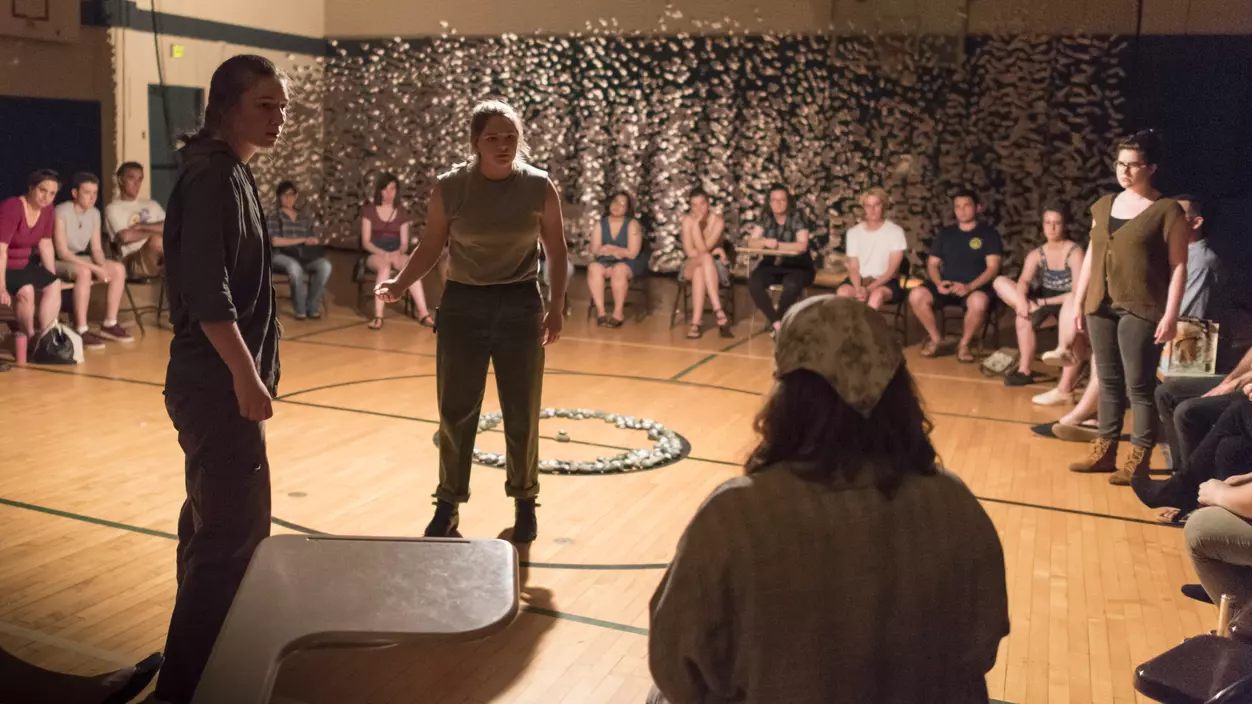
(1043, 290)
(705, 267)
(1225, 452)
(136, 224)
(875, 249)
(617, 245)
(385, 235)
(298, 252)
(1189, 406)
(846, 565)
(80, 258)
(1219, 537)
(964, 260)
(785, 230)
(28, 257)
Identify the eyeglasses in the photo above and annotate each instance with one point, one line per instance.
(1129, 165)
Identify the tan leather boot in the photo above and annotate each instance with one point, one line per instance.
(1103, 458)
(1137, 463)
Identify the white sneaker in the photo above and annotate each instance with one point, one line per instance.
(1055, 397)
(1059, 358)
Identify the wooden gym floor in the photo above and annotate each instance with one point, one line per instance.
(91, 483)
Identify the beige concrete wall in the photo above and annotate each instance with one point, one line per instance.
(80, 70)
(386, 18)
(137, 69)
(304, 17)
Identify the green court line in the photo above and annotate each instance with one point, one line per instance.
(89, 519)
(170, 536)
(588, 621)
(693, 367)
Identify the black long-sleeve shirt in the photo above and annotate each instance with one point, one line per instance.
(217, 264)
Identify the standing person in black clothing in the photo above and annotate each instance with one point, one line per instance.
(223, 369)
(786, 231)
(964, 260)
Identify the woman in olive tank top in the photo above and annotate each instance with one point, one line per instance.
(492, 213)
(1131, 287)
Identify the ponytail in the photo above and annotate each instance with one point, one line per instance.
(230, 81)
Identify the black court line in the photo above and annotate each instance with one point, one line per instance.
(396, 416)
(1078, 512)
(297, 338)
(726, 463)
(295, 526)
(103, 377)
(361, 347)
(693, 367)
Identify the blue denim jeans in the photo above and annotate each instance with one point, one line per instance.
(307, 281)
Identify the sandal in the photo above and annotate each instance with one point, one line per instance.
(426, 321)
(615, 323)
(375, 324)
(930, 348)
(723, 324)
(964, 356)
(603, 321)
(695, 333)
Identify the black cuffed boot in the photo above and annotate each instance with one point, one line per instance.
(445, 522)
(525, 525)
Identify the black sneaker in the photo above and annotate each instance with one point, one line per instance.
(1197, 592)
(445, 522)
(1016, 378)
(1043, 430)
(525, 525)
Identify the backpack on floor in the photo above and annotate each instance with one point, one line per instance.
(1000, 362)
(58, 345)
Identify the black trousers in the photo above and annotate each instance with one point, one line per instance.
(794, 281)
(1127, 357)
(1186, 416)
(503, 326)
(224, 519)
(1225, 452)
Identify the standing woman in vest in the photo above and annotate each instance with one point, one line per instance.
(223, 368)
(492, 213)
(1131, 285)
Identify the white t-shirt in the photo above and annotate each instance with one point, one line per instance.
(121, 214)
(873, 248)
(79, 227)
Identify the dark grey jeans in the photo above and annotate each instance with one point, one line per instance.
(502, 326)
(1126, 361)
(1186, 416)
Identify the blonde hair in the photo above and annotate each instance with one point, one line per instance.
(875, 191)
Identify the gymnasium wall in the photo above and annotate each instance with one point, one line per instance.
(388, 18)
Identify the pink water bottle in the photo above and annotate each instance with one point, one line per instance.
(19, 348)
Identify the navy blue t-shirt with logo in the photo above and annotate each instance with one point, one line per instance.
(964, 254)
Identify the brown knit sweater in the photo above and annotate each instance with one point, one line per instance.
(1131, 267)
(783, 591)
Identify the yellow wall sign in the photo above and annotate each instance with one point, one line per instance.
(176, 51)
